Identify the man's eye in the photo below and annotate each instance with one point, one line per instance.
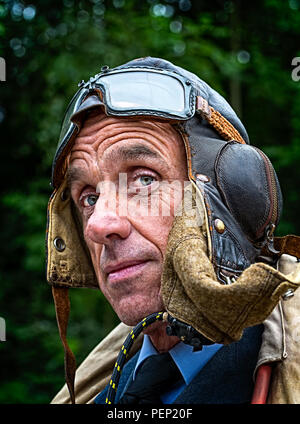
(142, 184)
(146, 180)
(89, 200)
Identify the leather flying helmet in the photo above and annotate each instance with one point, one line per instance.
(216, 142)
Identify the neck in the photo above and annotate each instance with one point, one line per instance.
(160, 340)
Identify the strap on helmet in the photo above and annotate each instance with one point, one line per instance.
(62, 308)
(217, 121)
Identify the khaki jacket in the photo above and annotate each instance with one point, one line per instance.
(280, 347)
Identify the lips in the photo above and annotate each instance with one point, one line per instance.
(124, 269)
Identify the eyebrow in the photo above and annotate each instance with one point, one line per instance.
(130, 153)
(74, 174)
(137, 151)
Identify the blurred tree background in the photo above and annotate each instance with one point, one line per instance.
(242, 49)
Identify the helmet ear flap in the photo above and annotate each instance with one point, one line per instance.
(249, 186)
(68, 260)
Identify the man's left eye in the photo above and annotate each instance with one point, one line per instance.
(146, 180)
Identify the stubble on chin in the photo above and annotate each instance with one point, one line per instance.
(133, 309)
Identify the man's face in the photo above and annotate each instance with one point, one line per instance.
(120, 174)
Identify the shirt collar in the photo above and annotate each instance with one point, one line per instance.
(188, 362)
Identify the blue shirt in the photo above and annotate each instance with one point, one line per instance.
(188, 362)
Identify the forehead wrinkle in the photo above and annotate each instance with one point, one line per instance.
(90, 127)
(104, 132)
(107, 137)
(105, 125)
(108, 126)
(163, 138)
(100, 121)
(108, 144)
(80, 171)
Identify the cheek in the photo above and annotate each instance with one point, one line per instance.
(95, 250)
(162, 230)
(153, 217)
(156, 230)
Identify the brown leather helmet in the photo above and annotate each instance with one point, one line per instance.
(217, 146)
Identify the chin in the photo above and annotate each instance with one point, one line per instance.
(133, 315)
(134, 318)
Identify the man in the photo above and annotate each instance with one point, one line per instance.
(131, 140)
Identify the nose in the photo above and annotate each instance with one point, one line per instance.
(104, 225)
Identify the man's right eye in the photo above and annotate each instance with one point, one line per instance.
(89, 200)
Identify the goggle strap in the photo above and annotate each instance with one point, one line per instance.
(216, 120)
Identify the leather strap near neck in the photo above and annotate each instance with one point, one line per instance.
(62, 308)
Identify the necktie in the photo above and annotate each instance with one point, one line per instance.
(157, 374)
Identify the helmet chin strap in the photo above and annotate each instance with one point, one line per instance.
(62, 309)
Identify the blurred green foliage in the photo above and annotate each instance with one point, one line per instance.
(242, 49)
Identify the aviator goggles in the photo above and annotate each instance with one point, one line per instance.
(128, 92)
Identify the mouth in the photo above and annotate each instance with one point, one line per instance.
(124, 270)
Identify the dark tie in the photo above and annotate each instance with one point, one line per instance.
(156, 375)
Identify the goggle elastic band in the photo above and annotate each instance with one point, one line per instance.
(217, 121)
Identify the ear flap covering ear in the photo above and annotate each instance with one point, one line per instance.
(68, 261)
(192, 293)
(249, 186)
